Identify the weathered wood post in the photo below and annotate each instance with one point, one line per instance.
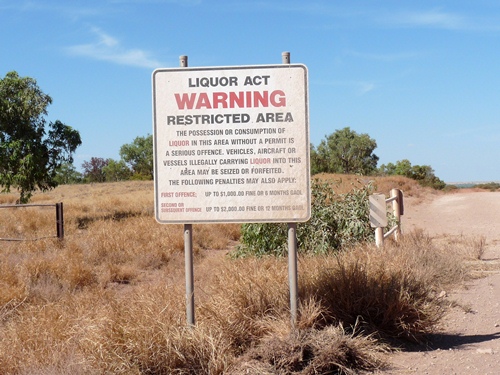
(60, 221)
(397, 205)
(379, 236)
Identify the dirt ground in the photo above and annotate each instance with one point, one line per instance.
(469, 342)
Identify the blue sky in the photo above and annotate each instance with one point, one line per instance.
(422, 78)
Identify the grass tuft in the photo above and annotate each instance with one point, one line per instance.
(308, 352)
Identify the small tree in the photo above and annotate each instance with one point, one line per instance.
(116, 170)
(29, 154)
(401, 168)
(139, 156)
(424, 174)
(345, 151)
(93, 170)
(67, 174)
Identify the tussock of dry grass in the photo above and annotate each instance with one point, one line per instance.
(469, 247)
(389, 291)
(309, 352)
(110, 298)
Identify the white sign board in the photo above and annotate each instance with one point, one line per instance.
(231, 144)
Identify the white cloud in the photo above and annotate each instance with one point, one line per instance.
(432, 19)
(365, 87)
(108, 48)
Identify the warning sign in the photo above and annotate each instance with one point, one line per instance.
(231, 144)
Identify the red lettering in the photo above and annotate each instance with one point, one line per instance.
(278, 98)
(241, 99)
(260, 98)
(203, 101)
(220, 98)
(237, 98)
(185, 100)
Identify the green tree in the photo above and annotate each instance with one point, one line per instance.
(387, 169)
(29, 154)
(401, 168)
(116, 171)
(67, 174)
(139, 156)
(318, 164)
(345, 151)
(424, 174)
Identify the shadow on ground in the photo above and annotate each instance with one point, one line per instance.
(445, 341)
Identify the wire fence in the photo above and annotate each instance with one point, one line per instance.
(59, 220)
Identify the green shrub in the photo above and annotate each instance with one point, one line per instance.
(493, 186)
(337, 220)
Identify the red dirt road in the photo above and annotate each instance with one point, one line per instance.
(469, 342)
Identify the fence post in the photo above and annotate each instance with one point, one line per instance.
(60, 221)
(397, 209)
(379, 236)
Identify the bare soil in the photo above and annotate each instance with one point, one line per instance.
(469, 340)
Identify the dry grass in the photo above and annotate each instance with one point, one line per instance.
(471, 248)
(110, 298)
(390, 292)
(309, 352)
